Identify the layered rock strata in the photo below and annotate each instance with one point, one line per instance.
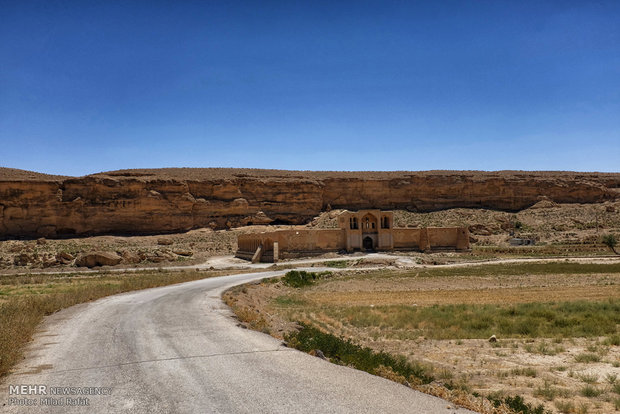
(173, 200)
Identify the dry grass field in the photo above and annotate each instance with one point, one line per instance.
(556, 324)
(26, 299)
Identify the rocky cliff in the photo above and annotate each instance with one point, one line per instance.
(179, 199)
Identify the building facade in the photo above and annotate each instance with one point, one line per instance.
(365, 230)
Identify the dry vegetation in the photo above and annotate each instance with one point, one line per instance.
(556, 324)
(26, 299)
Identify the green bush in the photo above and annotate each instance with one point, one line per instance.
(298, 279)
(590, 391)
(587, 357)
(345, 352)
(612, 340)
(610, 241)
(518, 405)
(337, 263)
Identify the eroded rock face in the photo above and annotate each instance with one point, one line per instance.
(173, 200)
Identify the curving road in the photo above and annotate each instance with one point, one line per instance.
(176, 349)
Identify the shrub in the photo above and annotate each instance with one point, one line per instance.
(298, 279)
(518, 405)
(345, 352)
(547, 392)
(587, 357)
(526, 372)
(565, 406)
(612, 340)
(610, 241)
(588, 378)
(590, 391)
(337, 263)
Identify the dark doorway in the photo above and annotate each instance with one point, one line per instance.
(367, 243)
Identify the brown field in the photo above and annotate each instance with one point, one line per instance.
(465, 296)
(424, 291)
(422, 315)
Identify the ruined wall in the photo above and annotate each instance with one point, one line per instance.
(172, 200)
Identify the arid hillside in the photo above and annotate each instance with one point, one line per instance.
(178, 199)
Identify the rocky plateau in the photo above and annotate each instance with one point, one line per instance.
(156, 201)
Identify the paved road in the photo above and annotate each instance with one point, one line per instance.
(176, 349)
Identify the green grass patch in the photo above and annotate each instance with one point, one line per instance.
(526, 372)
(298, 279)
(526, 320)
(612, 340)
(587, 357)
(286, 300)
(344, 352)
(590, 391)
(339, 264)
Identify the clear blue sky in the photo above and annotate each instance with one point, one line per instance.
(102, 85)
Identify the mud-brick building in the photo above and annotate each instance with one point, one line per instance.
(367, 230)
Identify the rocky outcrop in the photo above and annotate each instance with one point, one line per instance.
(93, 259)
(172, 200)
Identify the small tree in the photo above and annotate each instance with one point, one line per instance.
(610, 241)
